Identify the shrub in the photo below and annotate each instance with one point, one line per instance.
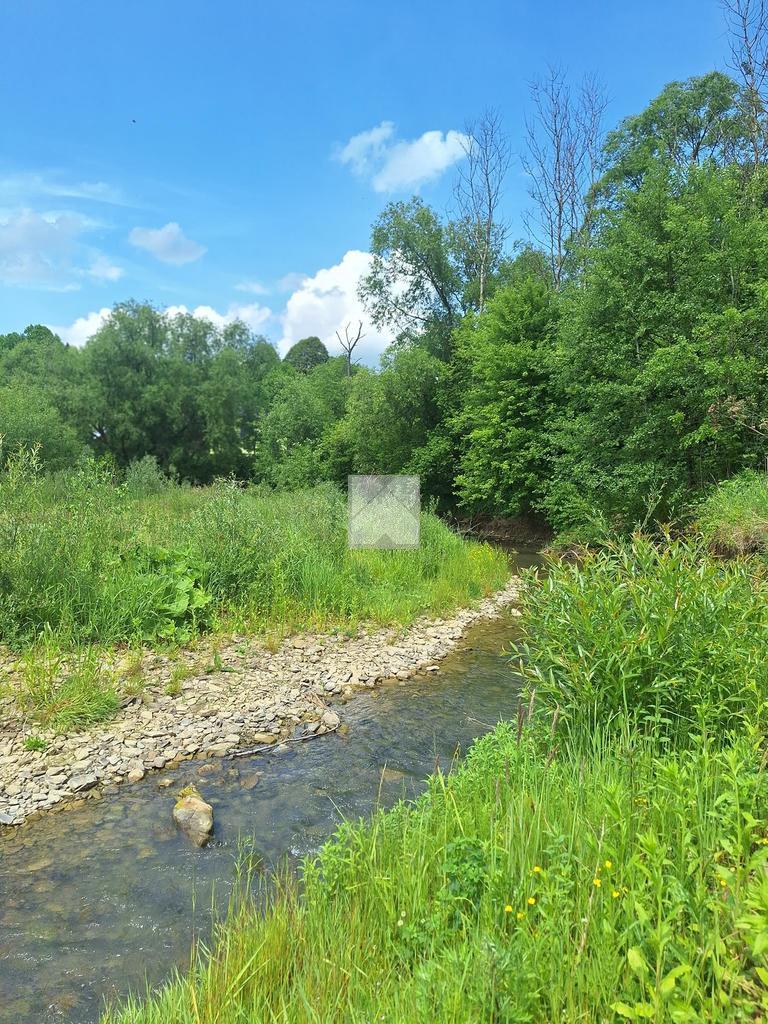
(660, 635)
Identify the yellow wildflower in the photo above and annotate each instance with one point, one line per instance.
(537, 869)
(596, 882)
(520, 915)
(531, 901)
(507, 909)
(615, 894)
(609, 864)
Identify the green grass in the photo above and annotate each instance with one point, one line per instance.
(734, 516)
(604, 858)
(660, 634)
(520, 888)
(85, 563)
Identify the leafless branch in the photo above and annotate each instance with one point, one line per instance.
(479, 191)
(349, 343)
(564, 143)
(748, 26)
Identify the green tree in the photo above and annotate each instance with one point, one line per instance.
(663, 354)
(306, 354)
(688, 124)
(508, 399)
(29, 419)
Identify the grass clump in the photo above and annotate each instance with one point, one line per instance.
(734, 517)
(655, 635)
(65, 693)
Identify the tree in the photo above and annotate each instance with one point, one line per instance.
(666, 327)
(688, 124)
(748, 25)
(349, 343)
(562, 162)
(508, 399)
(415, 285)
(28, 419)
(306, 354)
(478, 194)
(303, 409)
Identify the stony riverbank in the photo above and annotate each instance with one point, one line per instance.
(248, 696)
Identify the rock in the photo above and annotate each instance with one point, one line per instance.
(81, 783)
(135, 774)
(164, 783)
(193, 816)
(263, 737)
(330, 719)
(250, 781)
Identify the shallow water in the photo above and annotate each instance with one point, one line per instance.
(100, 900)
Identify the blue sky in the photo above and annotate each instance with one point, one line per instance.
(190, 153)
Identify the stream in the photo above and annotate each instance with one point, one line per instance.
(105, 899)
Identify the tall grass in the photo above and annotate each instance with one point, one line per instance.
(523, 887)
(87, 561)
(662, 636)
(734, 516)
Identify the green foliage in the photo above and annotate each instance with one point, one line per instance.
(734, 516)
(691, 122)
(662, 356)
(28, 419)
(507, 358)
(306, 354)
(655, 636)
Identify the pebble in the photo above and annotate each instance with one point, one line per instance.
(260, 703)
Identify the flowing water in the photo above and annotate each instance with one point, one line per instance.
(101, 900)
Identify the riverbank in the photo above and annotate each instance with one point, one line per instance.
(601, 858)
(208, 704)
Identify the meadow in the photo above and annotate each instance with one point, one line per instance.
(90, 563)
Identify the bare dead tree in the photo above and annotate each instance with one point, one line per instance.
(564, 143)
(478, 195)
(748, 27)
(349, 343)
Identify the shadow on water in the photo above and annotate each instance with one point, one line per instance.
(97, 901)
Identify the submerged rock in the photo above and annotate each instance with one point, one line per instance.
(193, 815)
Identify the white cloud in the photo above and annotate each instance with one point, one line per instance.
(326, 302)
(168, 244)
(102, 270)
(290, 282)
(365, 150)
(36, 250)
(396, 165)
(20, 187)
(252, 287)
(82, 329)
(254, 315)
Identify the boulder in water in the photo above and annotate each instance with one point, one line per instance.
(193, 815)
